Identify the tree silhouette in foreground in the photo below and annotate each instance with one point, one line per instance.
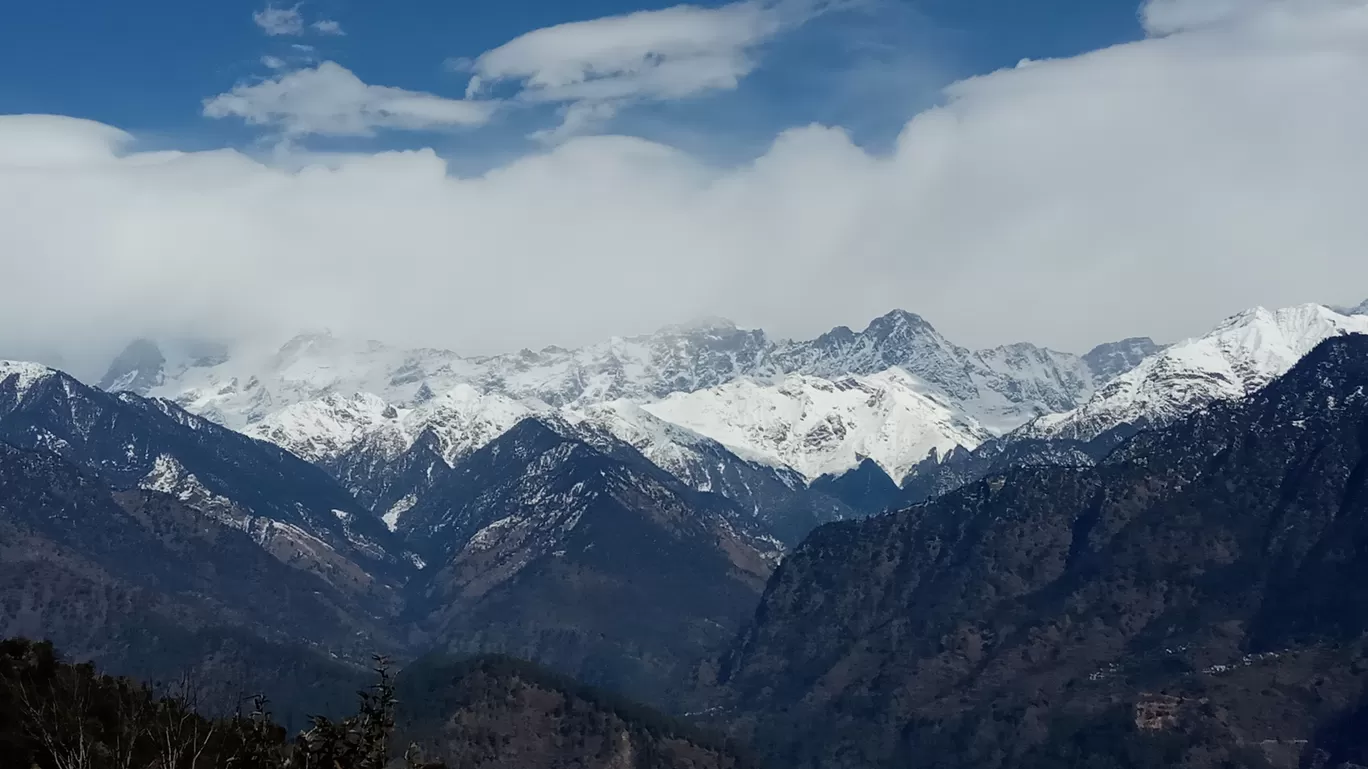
(57, 715)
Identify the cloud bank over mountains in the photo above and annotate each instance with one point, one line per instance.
(1216, 164)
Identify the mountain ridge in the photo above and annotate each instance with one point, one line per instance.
(359, 409)
(1013, 382)
(293, 508)
(1005, 622)
(1241, 354)
(585, 556)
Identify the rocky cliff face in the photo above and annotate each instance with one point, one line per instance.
(1051, 616)
(1110, 360)
(139, 368)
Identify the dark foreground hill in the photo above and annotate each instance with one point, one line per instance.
(497, 712)
(485, 713)
(1197, 599)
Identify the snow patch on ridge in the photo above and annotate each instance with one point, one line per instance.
(820, 427)
(462, 420)
(27, 375)
(671, 447)
(397, 510)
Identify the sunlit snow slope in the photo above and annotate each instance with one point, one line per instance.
(820, 427)
(1242, 354)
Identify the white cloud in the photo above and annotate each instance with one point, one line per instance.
(1163, 17)
(1146, 188)
(272, 62)
(330, 100)
(327, 27)
(52, 141)
(279, 21)
(664, 54)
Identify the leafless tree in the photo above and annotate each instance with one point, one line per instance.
(61, 721)
(181, 733)
(136, 712)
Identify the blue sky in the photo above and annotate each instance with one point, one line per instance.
(147, 67)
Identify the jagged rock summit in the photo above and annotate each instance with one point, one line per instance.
(139, 368)
(1112, 359)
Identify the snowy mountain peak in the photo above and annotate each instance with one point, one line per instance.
(1241, 354)
(823, 427)
(321, 430)
(899, 322)
(671, 447)
(463, 419)
(22, 376)
(139, 368)
(323, 396)
(1000, 388)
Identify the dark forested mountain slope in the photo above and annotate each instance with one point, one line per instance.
(997, 456)
(486, 713)
(587, 558)
(501, 713)
(1197, 598)
(389, 486)
(141, 582)
(865, 487)
(774, 500)
(289, 507)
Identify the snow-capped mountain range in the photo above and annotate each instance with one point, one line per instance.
(1000, 387)
(322, 397)
(697, 398)
(1242, 354)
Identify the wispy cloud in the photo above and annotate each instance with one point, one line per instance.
(330, 100)
(327, 27)
(272, 62)
(594, 67)
(279, 21)
(577, 118)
